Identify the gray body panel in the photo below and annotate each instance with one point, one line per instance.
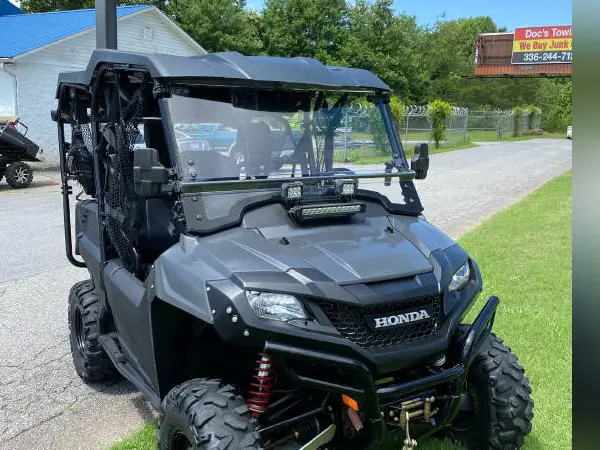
(321, 261)
(339, 252)
(362, 262)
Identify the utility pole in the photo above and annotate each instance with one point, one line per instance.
(106, 24)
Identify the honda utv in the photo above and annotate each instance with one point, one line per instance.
(268, 304)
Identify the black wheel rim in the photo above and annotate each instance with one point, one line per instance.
(79, 330)
(181, 442)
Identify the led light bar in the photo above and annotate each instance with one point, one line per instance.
(327, 210)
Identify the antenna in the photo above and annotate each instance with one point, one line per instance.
(106, 24)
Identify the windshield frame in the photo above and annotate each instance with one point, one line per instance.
(195, 197)
(380, 100)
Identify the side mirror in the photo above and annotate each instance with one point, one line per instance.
(420, 161)
(54, 115)
(149, 175)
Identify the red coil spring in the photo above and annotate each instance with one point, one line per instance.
(259, 392)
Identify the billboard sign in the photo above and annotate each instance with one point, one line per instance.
(543, 45)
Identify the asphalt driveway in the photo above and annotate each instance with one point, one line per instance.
(44, 405)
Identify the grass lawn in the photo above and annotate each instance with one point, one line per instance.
(364, 156)
(454, 141)
(143, 439)
(524, 253)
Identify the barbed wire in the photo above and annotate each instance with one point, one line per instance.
(358, 110)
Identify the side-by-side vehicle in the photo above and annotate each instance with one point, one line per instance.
(269, 303)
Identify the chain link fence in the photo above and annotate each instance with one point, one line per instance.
(463, 125)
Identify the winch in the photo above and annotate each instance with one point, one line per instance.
(420, 408)
(416, 408)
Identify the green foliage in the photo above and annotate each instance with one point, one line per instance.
(517, 120)
(419, 63)
(397, 108)
(387, 44)
(32, 6)
(314, 29)
(559, 115)
(449, 53)
(377, 130)
(219, 25)
(438, 112)
(534, 112)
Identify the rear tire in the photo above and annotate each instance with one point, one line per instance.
(19, 175)
(501, 394)
(89, 358)
(202, 414)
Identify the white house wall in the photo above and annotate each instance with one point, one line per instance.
(38, 72)
(7, 94)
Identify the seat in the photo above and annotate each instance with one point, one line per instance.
(258, 158)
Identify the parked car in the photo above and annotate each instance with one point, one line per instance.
(570, 132)
(219, 136)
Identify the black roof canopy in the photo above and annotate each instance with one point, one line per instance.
(233, 68)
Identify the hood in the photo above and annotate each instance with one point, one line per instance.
(347, 254)
(359, 254)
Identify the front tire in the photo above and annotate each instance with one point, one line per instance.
(500, 393)
(19, 175)
(202, 414)
(89, 358)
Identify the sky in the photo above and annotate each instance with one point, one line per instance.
(506, 13)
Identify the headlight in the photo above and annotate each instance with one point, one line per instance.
(269, 305)
(460, 277)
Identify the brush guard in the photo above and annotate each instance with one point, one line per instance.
(372, 396)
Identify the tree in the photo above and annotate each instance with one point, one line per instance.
(438, 112)
(314, 29)
(33, 6)
(560, 114)
(397, 108)
(219, 25)
(385, 44)
(449, 53)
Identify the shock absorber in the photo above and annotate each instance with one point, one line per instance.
(259, 392)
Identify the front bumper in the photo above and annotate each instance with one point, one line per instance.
(373, 397)
(239, 325)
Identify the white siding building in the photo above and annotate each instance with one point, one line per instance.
(28, 76)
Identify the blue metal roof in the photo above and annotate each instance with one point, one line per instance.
(6, 7)
(21, 33)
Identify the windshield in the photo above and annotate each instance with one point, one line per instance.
(224, 134)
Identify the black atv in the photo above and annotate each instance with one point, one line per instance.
(15, 149)
(261, 306)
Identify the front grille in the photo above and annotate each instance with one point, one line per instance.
(350, 322)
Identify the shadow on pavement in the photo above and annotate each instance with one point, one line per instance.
(124, 387)
(40, 182)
